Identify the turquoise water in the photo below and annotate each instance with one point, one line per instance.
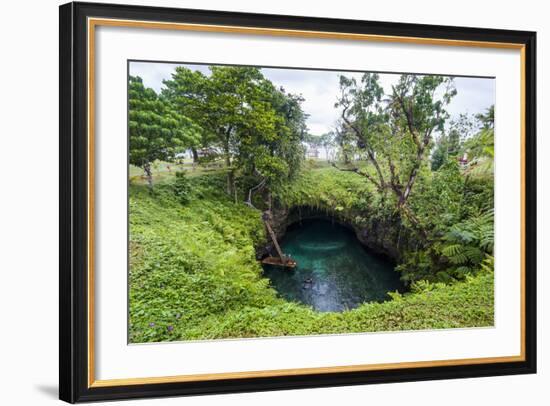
(335, 272)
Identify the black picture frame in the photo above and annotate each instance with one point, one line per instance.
(73, 255)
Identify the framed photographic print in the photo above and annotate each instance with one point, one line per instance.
(257, 202)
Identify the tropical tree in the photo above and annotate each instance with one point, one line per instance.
(328, 142)
(395, 134)
(314, 142)
(273, 158)
(228, 104)
(156, 130)
(292, 129)
(487, 119)
(482, 144)
(255, 126)
(345, 140)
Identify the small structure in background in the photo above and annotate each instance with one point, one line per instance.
(463, 160)
(207, 153)
(312, 152)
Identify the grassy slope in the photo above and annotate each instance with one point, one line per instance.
(329, 189)
(193, 273)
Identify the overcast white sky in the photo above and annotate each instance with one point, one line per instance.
(320, 89)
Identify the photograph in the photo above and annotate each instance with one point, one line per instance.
(274, 201)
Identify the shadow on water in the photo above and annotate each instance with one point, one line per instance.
(335, 272)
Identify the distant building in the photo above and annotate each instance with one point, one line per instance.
(208, 152)
(312, 152)
(183, 155)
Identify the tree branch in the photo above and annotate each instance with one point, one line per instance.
(359, 172)
(409, 117)
(394, 179)
(370, 153)
(253, 189)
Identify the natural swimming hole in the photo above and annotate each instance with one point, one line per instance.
(334, 272)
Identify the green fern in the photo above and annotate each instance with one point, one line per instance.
(488, 264)
(452, 250)
(467, 244)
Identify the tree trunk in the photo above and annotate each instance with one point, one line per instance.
(275, 242)
(412, 177)
(195, 155)
(253, 190)
(269, 202)
(230, 173)
(346, 157)
(148, 175)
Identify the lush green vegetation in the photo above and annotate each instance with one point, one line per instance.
(194, 273)
(396, 165)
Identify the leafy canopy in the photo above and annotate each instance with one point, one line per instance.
(157, 130)
(256, 127)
